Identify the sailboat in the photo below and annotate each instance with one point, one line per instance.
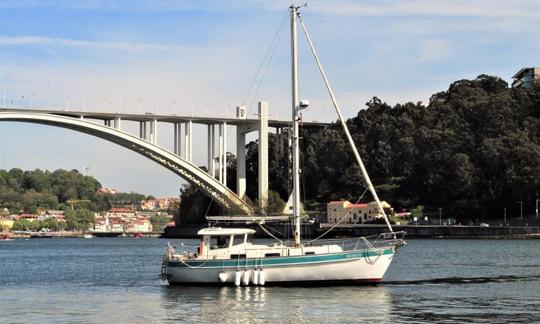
(228, 256)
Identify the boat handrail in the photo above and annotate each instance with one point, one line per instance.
(384, 236)
(347, 244)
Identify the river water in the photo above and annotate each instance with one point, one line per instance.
(117, 280)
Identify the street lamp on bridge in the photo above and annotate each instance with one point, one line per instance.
(520, 209)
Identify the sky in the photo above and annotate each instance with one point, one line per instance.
(207, 57)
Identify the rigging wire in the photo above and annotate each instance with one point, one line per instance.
(339, 222)
(344, 126)
(266, 60)
(209, 205)
(261, 80)
(275, 230)
(268, 232)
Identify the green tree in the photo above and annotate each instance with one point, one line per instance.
(24, 225)
(194, 206)
(159, 222)
(418, 212)
(52, 224)
(275, 203)
(79, 219)
(15, 180)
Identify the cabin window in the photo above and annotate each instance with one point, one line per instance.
(309, 252)
(270, 255)
(238, 239)
(219, 242)
(238, 256)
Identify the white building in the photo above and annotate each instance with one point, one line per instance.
(141, 225)
(123, 222)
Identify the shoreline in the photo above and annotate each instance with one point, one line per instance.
(315, 230)
(413, 231)
(73, 234)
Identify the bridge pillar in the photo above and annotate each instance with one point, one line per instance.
(107, 122)
(118, 123)
(263, 155)
(213, 169)
(142, 130)
(241, 160)
(210, 149)
(188, 141)
(153, 131)
(220, 153)
(224, 166)
(280, 141)
(177, 146)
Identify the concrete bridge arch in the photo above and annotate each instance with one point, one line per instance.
(187, 170)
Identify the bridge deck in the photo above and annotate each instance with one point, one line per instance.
(159, 117)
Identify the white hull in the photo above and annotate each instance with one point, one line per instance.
(360, 269)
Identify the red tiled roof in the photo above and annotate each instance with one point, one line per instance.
(337, 202)
(28, 216)
(357, 206)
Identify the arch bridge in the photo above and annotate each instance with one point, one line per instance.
(179, 161)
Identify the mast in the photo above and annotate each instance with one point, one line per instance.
(295, 135)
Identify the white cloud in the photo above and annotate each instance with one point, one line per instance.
(99, 45)
(143, 5)
(24, 40)
(481, 8)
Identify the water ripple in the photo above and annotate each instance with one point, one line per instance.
(462, 280)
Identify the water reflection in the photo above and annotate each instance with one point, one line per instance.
(116, 280)
(277, 304)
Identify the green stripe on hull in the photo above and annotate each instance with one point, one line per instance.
(279, 261)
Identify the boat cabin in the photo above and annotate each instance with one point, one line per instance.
(224, 242)
(236, 243)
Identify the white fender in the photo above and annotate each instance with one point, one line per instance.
(246, 277)
(256, 277)
(223, 276)
(237, 278)
(262, 277)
